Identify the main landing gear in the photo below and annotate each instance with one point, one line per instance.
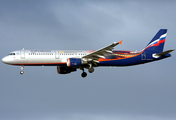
(84, 74)
(90, 69)
(22, 70)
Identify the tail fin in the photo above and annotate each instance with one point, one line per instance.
(157, 43)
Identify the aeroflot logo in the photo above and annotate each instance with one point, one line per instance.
(158, 41)
(61, 52)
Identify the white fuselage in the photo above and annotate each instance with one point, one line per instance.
(42, 57)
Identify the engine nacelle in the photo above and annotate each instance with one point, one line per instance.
(65, 70)
(73, 62)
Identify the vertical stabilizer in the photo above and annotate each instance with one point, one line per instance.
(156, 45)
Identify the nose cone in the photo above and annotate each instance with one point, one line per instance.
(5, 60)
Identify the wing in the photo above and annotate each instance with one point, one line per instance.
(94, 56)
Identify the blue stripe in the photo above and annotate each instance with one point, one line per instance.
(163, 38)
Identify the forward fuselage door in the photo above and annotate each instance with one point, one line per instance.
(57, 54)
(22, 54)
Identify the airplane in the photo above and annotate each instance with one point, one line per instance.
(68, 61)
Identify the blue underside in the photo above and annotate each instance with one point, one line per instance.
(132, 61)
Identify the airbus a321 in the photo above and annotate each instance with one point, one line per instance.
(68, 61)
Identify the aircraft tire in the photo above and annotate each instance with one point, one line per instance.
(91, 70)
(84, 74)
(21, 72)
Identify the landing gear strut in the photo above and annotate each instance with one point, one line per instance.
(91, 69)
(84, 74)
(22, 70)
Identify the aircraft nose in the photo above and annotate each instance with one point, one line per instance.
(5, 60)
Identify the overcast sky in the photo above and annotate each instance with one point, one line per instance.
(143, 92)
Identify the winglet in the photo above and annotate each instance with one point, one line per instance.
(120, 42)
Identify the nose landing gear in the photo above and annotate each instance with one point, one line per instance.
(22, 70)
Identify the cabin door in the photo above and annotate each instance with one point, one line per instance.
(57, 54)
(22, 54)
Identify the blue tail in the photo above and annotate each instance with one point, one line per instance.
(156, 45)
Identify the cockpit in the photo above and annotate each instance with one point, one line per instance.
(11, 54)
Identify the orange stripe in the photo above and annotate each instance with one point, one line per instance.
(69, 62)
(125, 57)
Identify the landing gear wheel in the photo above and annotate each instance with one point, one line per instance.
(84, 74)
(91, 70)
(21, 72)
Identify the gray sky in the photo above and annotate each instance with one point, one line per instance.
(129, 93)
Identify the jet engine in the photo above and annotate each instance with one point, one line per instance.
(73, 62)
(65, 70)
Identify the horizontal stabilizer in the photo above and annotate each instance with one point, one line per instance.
(162, 53)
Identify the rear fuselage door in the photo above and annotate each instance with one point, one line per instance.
(143, 56)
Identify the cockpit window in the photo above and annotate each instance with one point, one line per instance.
(12, 54)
